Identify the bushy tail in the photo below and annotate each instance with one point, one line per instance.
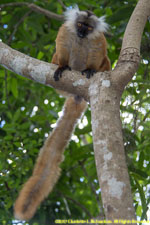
(47, 171)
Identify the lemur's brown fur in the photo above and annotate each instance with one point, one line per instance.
(47, 171)
(82, 54)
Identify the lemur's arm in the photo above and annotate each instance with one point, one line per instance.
(47, 171)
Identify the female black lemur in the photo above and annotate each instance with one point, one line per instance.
(81, 46)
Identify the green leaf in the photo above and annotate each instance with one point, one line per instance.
(121, 14)
(40, 55)
(138, 173)
(16, 115)
(14, 87)
(143, 200)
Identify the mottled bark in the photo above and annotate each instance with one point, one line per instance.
(109, 150)
(42, 72)
(105, 94)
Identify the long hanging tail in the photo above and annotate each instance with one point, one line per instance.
(46, 171)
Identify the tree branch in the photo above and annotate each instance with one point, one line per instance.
(130, 53)
(136, 24)
(35, 8)
(42, 72)
(62, 4)
(78, 204)
(97, 197)
(17, 25)
(106, 124)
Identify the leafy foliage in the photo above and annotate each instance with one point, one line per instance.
(28, 110)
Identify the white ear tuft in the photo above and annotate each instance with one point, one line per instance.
(102, 25)
(71, 13)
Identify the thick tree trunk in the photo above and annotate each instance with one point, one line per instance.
(109, 151)
(105, 93)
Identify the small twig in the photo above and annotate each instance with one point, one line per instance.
(6, 90)
(17, 25)
(78, 203)
(62, 4)
(135, 122)
(13, 4)
(92, 188)
(35, 8)
(6, 185)
(145, 117)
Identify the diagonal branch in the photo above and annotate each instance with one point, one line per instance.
(17, 25)
(130, 53)
(136, 24)
(62, 4)
(35, 8)
(78, 204)
(42, 72)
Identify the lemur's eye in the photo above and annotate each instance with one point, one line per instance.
(79, 24)
(90, 28)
